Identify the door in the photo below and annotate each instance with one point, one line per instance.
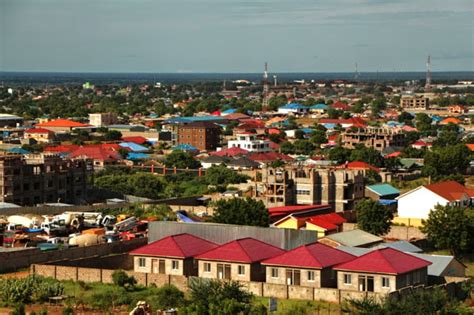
(227, 272)
(370, 284)
(154, 265)
(361, 283)
(293, 277)
(220, 271)
(161, 268)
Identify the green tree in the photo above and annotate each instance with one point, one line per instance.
(303, 147)
(180, 159)
(169, 296)
(339, 154)
(318, 137)
(113, 135)
(372, 217)
(287, 147)
(241, 211)
(221, 175)
(450, 227)
(208, 297)
(443, 161)
(122, 279)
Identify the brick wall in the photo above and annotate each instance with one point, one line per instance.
(14, 260)
(405, 233)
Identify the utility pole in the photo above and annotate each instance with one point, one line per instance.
(428, 75)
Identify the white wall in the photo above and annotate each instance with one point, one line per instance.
(418, 203)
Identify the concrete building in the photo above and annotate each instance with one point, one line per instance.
(308, 266)
(41, 178)
(8, 120)
(237, 260)
(293, 108)
(39, 135)
(63, 125)
(392, 271)
(203, 135)
(377, 138)
(102, 119)
(172, 255)
(340, 188)
(248, 141)
(414, 102)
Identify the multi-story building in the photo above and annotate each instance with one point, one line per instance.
(414, 102)
(102, 119)
(340, 188)
(249, 142)
(371, 137)
(203, 135)
(40, 178)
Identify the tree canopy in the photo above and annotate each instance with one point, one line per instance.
(241, 211)
(450, 227)
(372, 217)
(181, 159)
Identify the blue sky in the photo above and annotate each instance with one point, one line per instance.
(235, 35)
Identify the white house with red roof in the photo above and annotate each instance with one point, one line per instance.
(248, 141)
(418, 203)
(384, 270)
(237, 260)
(172, 255)
(308, 265)
(39, 135)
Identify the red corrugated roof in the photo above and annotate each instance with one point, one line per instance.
(180, 245)
(38, 130)
(285, 210)
(334, 218)
(135, 139)
(62, 123)
(314, 255)
(358, 165)
(230, 152)
(322, 223)
(269, 157)
(386, 261)
(96, 153)
(65, 148)
(245, 250)
(450, 190)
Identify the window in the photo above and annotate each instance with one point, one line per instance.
(141, 262)
(207, 267)
(385, 282)
(347, 279)
(274, 272)
(303, 192)
(310, 275)
(175, 264)
(241, 270)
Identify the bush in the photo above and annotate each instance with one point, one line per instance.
(28, 290)
(122, 279)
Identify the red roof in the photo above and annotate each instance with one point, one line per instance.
(393, 155)
(245, 250)
(65, 148)
(421, 144)
(315, 255)
(357, 165)
(322, 223)
(333, 218)
(386, 261)
(180, 245)
(450, 190)
(135, 139)
(38, 130)
(230, 152)
(285, 210)
(470, 146)
(340, 105)
(96, 153)
(62, 123)
(274, 131)
(269, 157)
(236, 116)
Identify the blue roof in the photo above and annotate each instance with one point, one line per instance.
(307, 130)
(383, 189)
(189, 119)
(436, 118)
(137, 156)
(185, 147)
(387, 202)
(294, 106)
(319, 106)
(134, 147)
(18, 151)
(329, 125)
(394, 124)
(184, 218)
(229, 111)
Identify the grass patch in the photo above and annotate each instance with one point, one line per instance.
(287, 307)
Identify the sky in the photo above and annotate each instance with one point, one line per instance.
(180, 36)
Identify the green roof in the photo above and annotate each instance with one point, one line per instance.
(384, 189)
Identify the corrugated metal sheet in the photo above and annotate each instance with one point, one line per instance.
(222, 233)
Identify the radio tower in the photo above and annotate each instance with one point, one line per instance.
(428, 74)
(265, 88)
(356, 72)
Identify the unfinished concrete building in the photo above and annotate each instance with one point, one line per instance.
(414, 102)
(371, 137)
(43, 178)
(340, 188)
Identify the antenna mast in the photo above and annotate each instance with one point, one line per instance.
(356, 73)
(265, 88)
(428, 75)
